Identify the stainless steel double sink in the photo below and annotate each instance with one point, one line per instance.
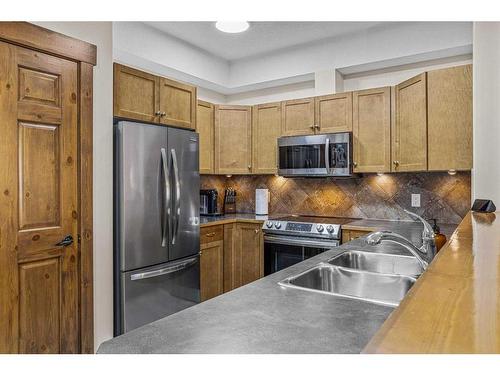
(373, 277)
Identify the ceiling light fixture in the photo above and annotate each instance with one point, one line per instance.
(232, 27)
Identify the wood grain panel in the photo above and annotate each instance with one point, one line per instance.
(136, 94)
(233, 139)
(229, 256)
(177, 104)
(39, 177)
(206, 129)
(39, 87)
(372, 130)
(211, 269)
(449, 105)
(9, 284)
(266, 129)
(211, 234)
(297, 117)
(333, 113)
(410, 137)
(39, 307)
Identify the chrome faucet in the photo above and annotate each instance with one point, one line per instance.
(424, 254)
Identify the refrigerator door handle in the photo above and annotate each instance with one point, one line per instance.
(166, 199)
(177, 202)
(163, 271)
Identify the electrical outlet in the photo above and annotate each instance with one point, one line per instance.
(415, 200)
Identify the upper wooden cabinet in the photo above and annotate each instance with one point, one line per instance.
(206, 129)
(297, 117)
(233, 139)
(409, 139)
(372, 130)
(136, 94)
(333, 113)
(449, 104)
(266, 129)
(177, 104)
(146, 97)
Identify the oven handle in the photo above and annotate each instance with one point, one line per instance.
(327, 155)
(289, 240)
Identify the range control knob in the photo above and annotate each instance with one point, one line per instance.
(277, 225)
(269, 224)
(329, 228)
(319, 228)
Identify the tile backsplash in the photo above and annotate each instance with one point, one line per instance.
(443, 197)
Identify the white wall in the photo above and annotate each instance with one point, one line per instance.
(100, 34)
(486, 86)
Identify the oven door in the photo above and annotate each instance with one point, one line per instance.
(281, 252)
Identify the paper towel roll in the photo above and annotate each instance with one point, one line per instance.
(261, 201)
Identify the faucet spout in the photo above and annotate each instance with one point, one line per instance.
(386, 236)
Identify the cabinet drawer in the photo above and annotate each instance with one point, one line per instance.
(211, 234)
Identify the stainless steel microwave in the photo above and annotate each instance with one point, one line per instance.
(327, 155)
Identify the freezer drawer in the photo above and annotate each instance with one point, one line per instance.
(152, 293)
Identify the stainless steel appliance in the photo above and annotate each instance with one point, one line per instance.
(292, 239)
(327, 155)
(208, 202)
(157, 182)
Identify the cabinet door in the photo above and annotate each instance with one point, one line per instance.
(265, 132)
(177, 104)
(333, 113)
(409, 138)
(206, 130)
(211, 269)
(136, 94)
(297, 117)
(243, 254)
(372, 130)
(39, 277)
(233, 139)
(449, 104)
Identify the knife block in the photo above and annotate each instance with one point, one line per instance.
(229, 201)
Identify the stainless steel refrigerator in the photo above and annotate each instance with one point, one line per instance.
(156, 235)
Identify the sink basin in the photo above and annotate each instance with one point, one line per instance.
(380, 263)
(373, 287)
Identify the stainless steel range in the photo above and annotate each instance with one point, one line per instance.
(290, 240)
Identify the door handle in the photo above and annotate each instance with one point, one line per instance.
(66, 241)
(166, 199)
(177, 201)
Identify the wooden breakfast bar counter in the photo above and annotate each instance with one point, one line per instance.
(454, 307)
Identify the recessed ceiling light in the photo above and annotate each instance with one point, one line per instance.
(232, 27)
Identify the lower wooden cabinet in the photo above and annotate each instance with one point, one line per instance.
(243, 254)
(231, 256)
(351, 234)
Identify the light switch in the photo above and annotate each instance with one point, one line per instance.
(415, 200)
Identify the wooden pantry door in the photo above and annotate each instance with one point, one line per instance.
(39, 288)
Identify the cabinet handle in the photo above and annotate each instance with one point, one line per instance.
(396, 163)
(257, 230)
(317, 127)
(312, 126)
(157, 113)
(249, 167)
(162, 114)
(210, 234)
(354, 164)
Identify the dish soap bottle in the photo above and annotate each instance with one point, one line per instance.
(439, 237)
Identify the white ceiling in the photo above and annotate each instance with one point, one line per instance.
(260, 38)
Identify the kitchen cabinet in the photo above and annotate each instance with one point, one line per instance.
(211, 262)
(135, 94)
(243, 254)
(233, 139)
(352, 234)
(409, 133)
(206, 130)
(145, 97)
(297, 117)
(333, 113)
(266, 128)
(177, 104)
(449, 105)
(372, 130)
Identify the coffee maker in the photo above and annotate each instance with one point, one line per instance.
(208, 202)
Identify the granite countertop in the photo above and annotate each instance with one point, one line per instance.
(263, 317)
